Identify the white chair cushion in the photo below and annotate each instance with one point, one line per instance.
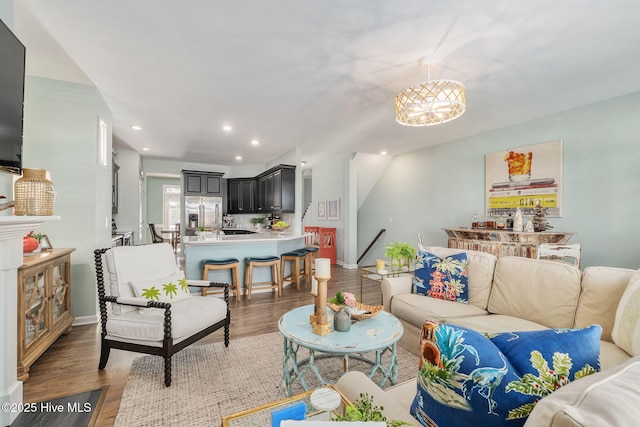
(187, 317)
(544, 292)
(626, 328)
(418, 308)
(602, 288)
(124, 265)
(611, 355)
(607, 398)
(494, 323)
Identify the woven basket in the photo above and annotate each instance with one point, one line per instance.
(372, 309)
(34, 193)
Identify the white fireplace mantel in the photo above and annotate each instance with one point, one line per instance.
(12, 229)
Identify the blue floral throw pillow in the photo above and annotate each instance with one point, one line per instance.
(468, 379)
(441, 278)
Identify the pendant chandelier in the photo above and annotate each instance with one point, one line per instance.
(431, 102)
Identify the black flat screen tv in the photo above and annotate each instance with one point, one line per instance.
(12, 63)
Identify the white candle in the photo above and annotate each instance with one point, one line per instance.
(314, 286)
(323, 267)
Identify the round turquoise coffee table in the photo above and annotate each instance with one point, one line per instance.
(377, 334)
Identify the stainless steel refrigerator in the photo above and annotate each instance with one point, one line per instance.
(202, 211)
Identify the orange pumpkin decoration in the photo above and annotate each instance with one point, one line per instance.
(29, 244)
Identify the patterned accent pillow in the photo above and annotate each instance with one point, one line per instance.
(466, 380)
(173, 288)
(626, 327)
(446, 279)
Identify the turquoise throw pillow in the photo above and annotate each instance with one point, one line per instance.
(468, 379)
(441, 278)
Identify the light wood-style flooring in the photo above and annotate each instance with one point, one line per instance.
(71, 364)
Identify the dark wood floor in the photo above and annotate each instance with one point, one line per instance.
(71, 364)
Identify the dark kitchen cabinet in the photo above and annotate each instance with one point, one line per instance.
(241, 195)
(276, 189)
(203, 183)
(262, 205)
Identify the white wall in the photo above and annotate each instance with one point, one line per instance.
(443, 185)
(330, 181)
(158, 166)
(369, 168)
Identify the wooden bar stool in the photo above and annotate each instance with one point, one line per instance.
(231, 264)
(298, 271)
(312, 255)
(254, 262)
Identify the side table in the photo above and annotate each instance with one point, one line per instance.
(370, 272)
(377, 334)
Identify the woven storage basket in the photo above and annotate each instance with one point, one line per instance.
(372, 309)
(33, 193)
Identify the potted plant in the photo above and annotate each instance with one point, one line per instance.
(401, 254)
(257, 222)
(363, 409)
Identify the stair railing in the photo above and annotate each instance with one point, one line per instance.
(375, 239)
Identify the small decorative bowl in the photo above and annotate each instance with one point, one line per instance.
(280, 227)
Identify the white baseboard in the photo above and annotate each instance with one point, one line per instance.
(86, 320)
(348, 266)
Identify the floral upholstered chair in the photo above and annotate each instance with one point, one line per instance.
(146, 305)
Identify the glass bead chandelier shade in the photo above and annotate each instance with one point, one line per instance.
(430, 103)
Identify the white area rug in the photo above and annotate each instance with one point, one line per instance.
(212, 381)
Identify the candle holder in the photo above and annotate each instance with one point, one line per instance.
(318, 320)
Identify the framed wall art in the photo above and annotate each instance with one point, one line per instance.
(520, 177)
(45, 243)
(322, 210)
(333, 209)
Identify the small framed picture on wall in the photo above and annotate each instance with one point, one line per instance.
(333, 209)
(45, 243)
(322, 210)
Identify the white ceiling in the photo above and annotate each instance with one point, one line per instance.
(322, 75)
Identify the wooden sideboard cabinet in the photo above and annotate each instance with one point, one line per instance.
(503, 242)
(44, 302)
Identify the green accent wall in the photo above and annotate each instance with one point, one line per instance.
(154, 197)
(61, 135)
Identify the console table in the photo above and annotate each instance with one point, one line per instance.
(44, 304)
(503, 242)
(12, 230)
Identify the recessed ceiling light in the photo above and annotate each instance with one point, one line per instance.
(255, 142)
(227, 128)
(146, 149)
(136, 127)
(383, 153)
(303, 163)
(238, 157)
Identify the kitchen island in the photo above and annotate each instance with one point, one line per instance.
(241, 246)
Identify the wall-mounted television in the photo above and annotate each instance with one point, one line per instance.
(12, 62)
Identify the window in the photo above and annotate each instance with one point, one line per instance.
(103, 143)
(170, 206)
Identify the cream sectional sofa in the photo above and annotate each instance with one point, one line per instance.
(516, 294)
